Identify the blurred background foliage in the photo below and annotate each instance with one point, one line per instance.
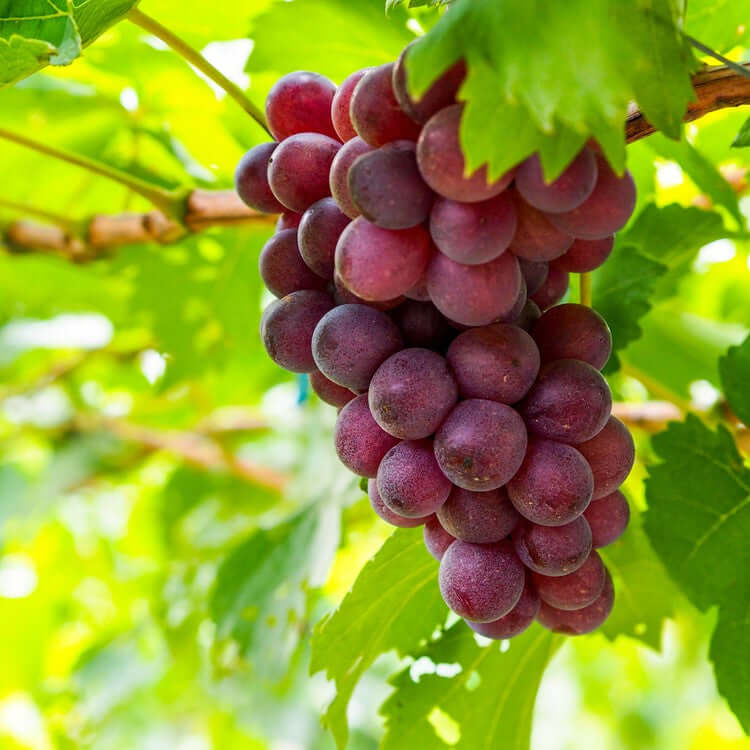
(173, 519)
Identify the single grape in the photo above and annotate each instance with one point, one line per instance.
(351, 342)
(481, 582)
(339, 174)
(473, 233)
(608, 518)
(575, 590)
(342, 122)
(300, 102)
(573, 332)
(497, 362)
(342, 296)
(298, 169)
(553, 550)
(610, 453)
(474, 295)
(360, 443)
(410, 481)
(478, 517)
(481, 444)
(579, 621)
(330, 392)
(529, 315)
(380, 264)
(564, 193)
(411, 393)
(586, 255)
(442, 165)
(288, 220)
(536, 238)
(387, 189)
(287, 326)
(251, 179)
(553, 485)
(516, 621)
(436, 538)
(570, 402)
(422, 324)
(386, 514)
(281, 266)
(376, 115)
(554, 288)
(606, 210)
(319, 231)
(535, 272)
(441, 93)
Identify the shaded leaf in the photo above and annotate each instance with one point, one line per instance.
(734, 369)
(743, 137)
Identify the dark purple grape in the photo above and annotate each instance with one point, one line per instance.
(360, 443)
(410, 481)
(287, 326)
(300, 102)
(380, 264)
(481, 582)
(535, 274)
(608, 518)
(351, 342)
(251, 179)
(498, 362)
(387, 189)
(339, 174)
(478, 517)
(342, 122)
(298, 169)
(473, 233)
(411, 393)
(481, 444)
(575, 590)
(553, 550)
(554, 288)
(385, 513)
(536, 238)
(553, 485)
(570, 402)
(281, 266)
(515, 622)
(606, 210)
(288, 220)
(586, 255)
(474, 295)
(330, 392)
(422, 324)
(441, 93)
(566, 192)
(436, 538)
(529, 315)
(573, 332)
(610, 453)
(579, 621)
(442, 165)
(376, 115)
(342, 296)
(319, 231)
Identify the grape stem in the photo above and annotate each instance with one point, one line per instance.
(182, 48)
(585, 289)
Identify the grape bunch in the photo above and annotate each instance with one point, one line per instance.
(422, 302)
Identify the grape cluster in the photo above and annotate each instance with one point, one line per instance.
(421, 301)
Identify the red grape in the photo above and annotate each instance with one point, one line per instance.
(384, 512)
(330, 392)
(575, 590)
(586, 255)
(436, 538)
(281, 266)
(553, 550)
(536, 238)
(554, 288)
(478, 517)
(608, 518)
(251, 179)
(319, 231)
(535, 273)
(422, 324)
(342, 122)
(300, 102)
(339, 174)
(582, 620)
(610, 453)
(515, 622)
(288, 220)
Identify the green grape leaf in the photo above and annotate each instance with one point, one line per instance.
(734, 369)
(347, 36)
(720, 24)
(556, 68)
(742, 139)
(698, 521)
(488, 704)
(21, 57)
(394, 605)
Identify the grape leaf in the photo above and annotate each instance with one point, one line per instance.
(394, 605)
(734, 369)
(698, 521)
(491, 699)
(720, 24)
(557, 67)
(743, 137)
